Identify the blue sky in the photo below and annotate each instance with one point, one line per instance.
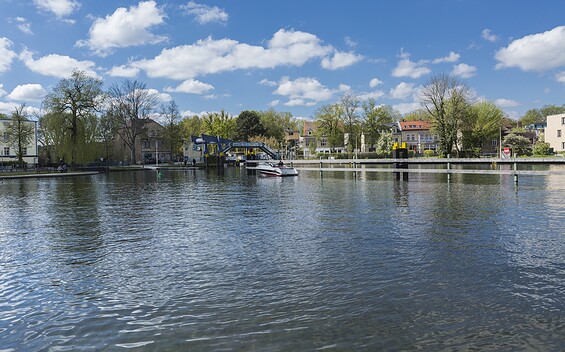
(291, 55)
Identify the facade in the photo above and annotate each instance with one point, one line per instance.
(416, 135)
(555, 132)
(149, 146)
(8, 151)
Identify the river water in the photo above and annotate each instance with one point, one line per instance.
(189, 260)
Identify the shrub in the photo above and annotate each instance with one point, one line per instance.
(428, 153)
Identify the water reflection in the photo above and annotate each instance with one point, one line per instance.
(193, 260)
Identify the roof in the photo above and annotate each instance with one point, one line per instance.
(414, 125)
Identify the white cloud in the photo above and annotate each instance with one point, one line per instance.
(266, 82)
(2, 91)
(124, 28)
(486, 34)
(24, 25)
(205, 14)
(506, 103)
(403, 90)
(375, 82)
(274, 102)
(162, 97)
(60, 8)
(451, 57)
(191, 86)
(560, 77)
(407, 68)
(350, 42)
(27, 92)
(464, 71)
(56, 65)
(340, 60)
(6, 54)
(208, 56)
(123, 71)
(405, 108)
(371, 95)
(304, 91)
(536, 52)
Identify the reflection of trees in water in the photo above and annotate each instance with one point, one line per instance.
(401, 193)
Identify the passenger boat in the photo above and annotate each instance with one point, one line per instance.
(272, 169)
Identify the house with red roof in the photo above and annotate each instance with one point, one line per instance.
(417, 135)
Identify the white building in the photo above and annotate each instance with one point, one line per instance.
(8, 151)
(555, 132)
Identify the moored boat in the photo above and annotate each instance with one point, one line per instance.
(278, 170)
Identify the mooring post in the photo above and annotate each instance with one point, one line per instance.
(321, 166)
(515, 174)
(448, 169)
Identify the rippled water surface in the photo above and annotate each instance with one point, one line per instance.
(188, 260)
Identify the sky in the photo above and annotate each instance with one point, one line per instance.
(292, 56)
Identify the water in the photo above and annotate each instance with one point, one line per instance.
(195, 261)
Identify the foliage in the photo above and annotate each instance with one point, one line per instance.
(349, 105)
(277, 124)
(248, 124)
(376, 120)
(131, 105)
(481, 126)
(539, 115)
(446, 100)
(385, 143)
(519, 144)
(428, 153)
(219, 124)
(76, 100)
(329, 123)
(541, 148)
(191, 126)
(19, 131)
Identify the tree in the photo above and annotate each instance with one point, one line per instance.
(219, 124)
(385, 143)
(329, 122)
(376, 120)
(349, 105)
(248, 124)
(446, 100)
(519, 144)
(277, 124)
(76, 99)
(131, 105)
(482, 126)
(19, 131)
(171, 132)
(542, 148)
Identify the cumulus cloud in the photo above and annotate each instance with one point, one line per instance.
(191, 86)
(560, 77)
(375, 82)
(340, 60)
(464, 71)
(407, 68)
(60, 8)
(303, 91)
(28, 92)
(24, 25)
(405, 108)
(123, 71)
(376, 94)
(403, 90)
(506, 103)
(350, 42)
(266, 82)
(205, 14)
(124, 28)
(2, 91)
(6, 54)
(56, 65)
(451, 57)
(209, 56)
(536, 52)
(486, 34)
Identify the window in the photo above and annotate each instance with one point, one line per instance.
(5, 137)
(563, 145)
(558, 133)
(563, 120)
(24, 151)
(494, 142)
(146, 144)
(6, 151)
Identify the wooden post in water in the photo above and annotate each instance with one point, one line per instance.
(515, 174)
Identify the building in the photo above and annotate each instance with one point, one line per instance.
(555, 132)
(149, 146)
(416, 135)
(8, 152)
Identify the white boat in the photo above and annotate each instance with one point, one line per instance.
(273, 169)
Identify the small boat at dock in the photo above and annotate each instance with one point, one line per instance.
(274, 169)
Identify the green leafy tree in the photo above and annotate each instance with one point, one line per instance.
(482, 126)
(191, 126)
(385, 143)
(19, 131)
(76, 99)
(446, 100)
(329, 124)
(248, 125)
(219, 124)
(541, 148)
(520, 145)
(53, 138)
(377, 120)
(131, 105)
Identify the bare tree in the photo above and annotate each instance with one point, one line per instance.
(446, 100)
(131, 105)
(171, 114)
(349, 105)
